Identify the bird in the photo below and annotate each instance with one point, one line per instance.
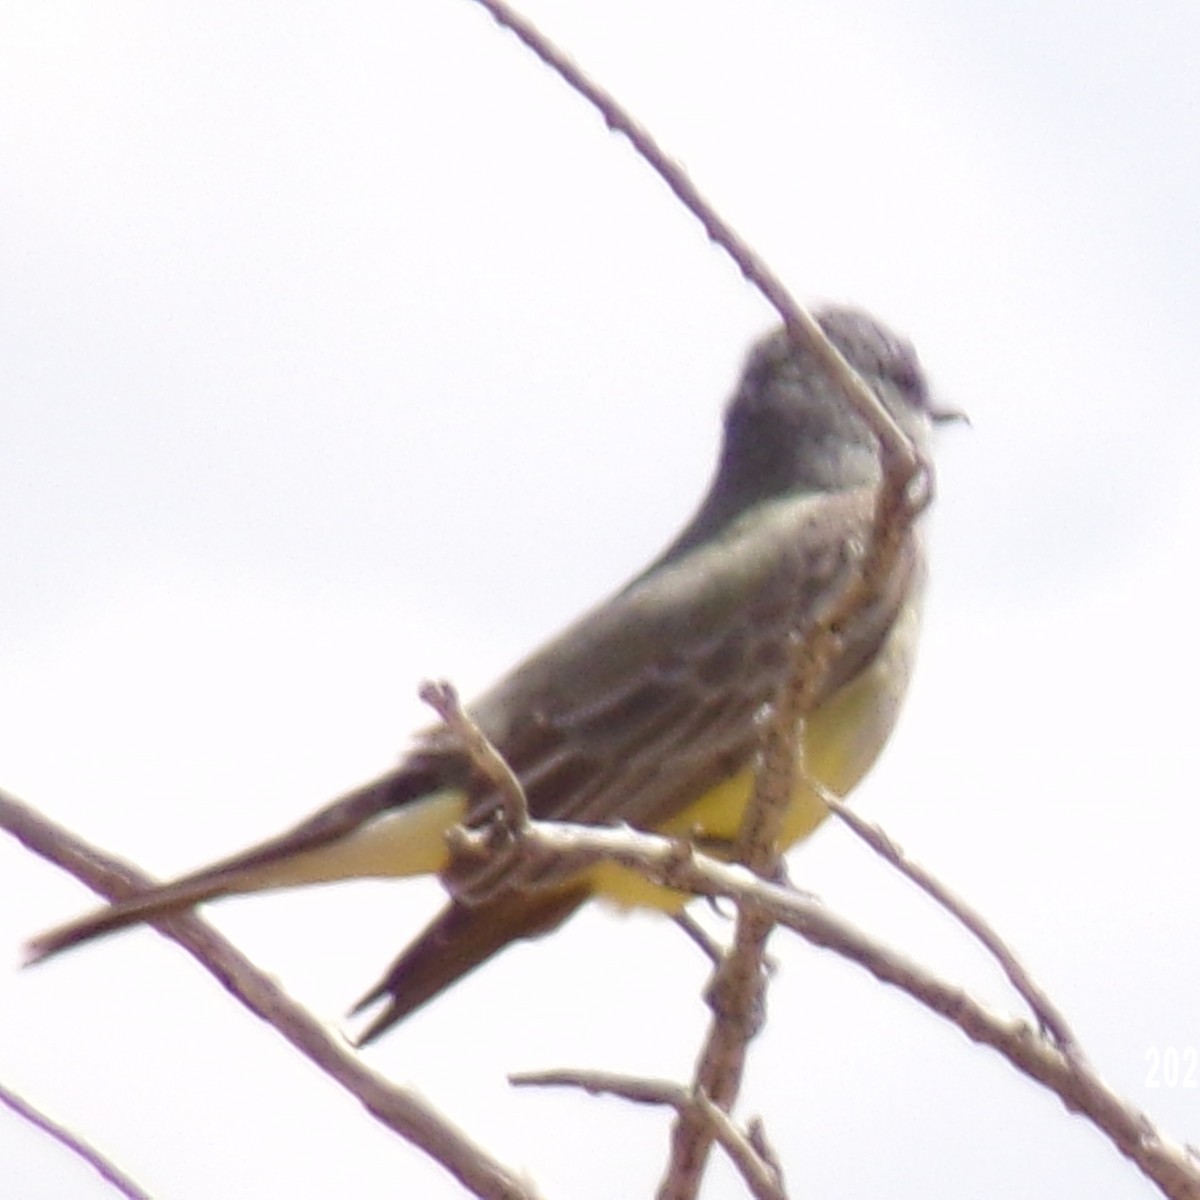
(647, 710)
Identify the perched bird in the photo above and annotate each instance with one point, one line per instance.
(646, 710)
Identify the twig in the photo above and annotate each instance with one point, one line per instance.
(107, 1170)
(1051, 1020)
(737, 992)
(736, 996)
(760, 1172)
(753, 267)
(699, 936)
(400, 1110)
(443, 698)
(757, 1133)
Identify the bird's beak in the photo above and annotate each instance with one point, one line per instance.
(948, 416)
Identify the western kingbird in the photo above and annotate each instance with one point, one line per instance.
(645, 711)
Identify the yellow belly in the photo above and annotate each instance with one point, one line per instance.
(842, 740)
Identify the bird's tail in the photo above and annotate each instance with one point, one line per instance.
(460, 939)
(146, 906)
(394, 826)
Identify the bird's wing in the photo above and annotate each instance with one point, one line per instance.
(651, 699)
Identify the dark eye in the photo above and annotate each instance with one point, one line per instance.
(904, 372)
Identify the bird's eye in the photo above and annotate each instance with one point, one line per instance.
(904, 372)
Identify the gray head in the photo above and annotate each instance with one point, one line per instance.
(790, 428)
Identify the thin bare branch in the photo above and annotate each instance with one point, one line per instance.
(659, 1092)
(736, 994)
(443, 698)
(617, 118)
(756, 1131)
(400, 1110)
(736, 997)
(753, 267)
(699, 936)
(108, 1171)
(1047, 1013)
(760, 1173)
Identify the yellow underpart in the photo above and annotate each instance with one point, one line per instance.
(406, 841)
(842, 740)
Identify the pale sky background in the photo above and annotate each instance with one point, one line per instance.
(342, 347)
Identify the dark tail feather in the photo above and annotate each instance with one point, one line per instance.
(459, 940)
(160, 902)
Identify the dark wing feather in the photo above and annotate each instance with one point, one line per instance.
(639, 708)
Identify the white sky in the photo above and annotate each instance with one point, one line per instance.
(342, 347)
